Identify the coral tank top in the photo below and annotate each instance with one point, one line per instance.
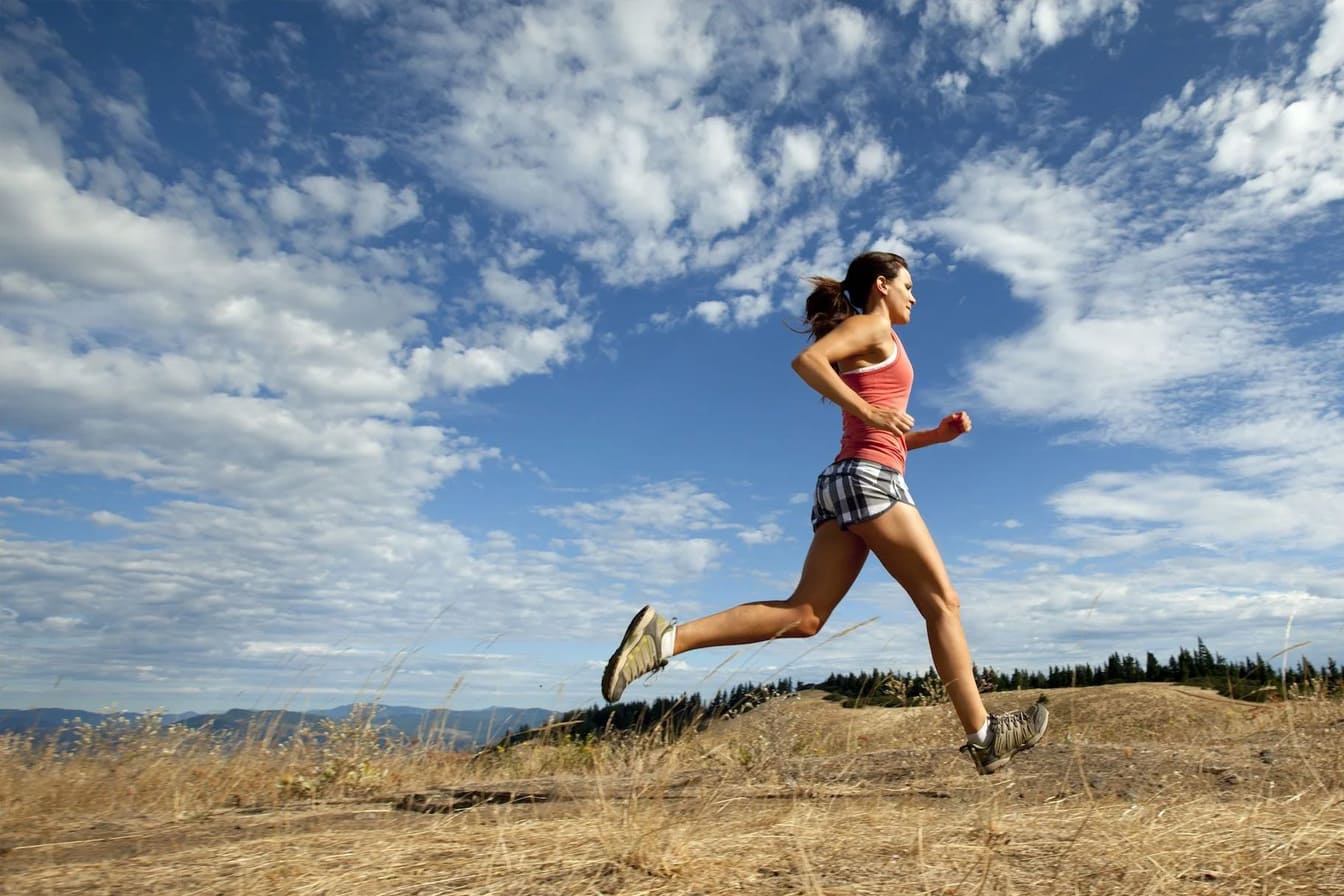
(887, 385)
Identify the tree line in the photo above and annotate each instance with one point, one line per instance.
(1255, 679)
(668, 717)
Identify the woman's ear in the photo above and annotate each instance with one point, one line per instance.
(881, 286)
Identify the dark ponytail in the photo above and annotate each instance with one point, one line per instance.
(832, 301)
(826, 307)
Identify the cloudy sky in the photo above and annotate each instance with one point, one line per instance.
(363, 349)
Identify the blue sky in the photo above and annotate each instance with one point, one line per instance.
(366, 349)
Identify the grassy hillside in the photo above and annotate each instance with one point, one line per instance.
(1144, 788)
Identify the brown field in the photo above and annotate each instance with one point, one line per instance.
(1137, 789)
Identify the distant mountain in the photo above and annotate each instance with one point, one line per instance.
(249, 724)
(48, 719)
(472, 727)
(452, 729)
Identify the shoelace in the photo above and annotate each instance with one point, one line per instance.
(661, 665)
(660, 662)
(644, 660)
(1014, 727)
(1010, 724)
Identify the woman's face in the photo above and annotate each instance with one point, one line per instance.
(896, 293)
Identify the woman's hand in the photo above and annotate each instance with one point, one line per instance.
(890, 419)
(953, 425)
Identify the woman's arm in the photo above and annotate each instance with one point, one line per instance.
(855, 336)
(951, 426)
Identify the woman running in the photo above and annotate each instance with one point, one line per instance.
(862, 504)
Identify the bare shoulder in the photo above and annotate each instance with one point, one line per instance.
(872, 329)
(863, 338)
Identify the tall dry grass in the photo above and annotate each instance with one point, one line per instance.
(140, 767)
(1138, 789)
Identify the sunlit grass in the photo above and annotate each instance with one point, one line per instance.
(1138, 789)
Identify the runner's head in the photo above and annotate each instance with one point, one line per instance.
(831, 301)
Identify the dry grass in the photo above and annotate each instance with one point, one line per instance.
(1140, 789)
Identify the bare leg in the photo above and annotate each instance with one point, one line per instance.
(833, 563)
(902, 542)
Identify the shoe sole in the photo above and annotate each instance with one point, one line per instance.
(642, 618)
(1000, 763)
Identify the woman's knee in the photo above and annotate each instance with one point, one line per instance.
(939, 603)
(806, 622)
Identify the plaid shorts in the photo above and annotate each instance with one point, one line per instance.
(855, 491)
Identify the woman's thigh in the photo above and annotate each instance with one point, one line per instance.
(833, 562)
(907, 550)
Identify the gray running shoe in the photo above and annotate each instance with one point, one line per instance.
(640, 653)
(1009, 733)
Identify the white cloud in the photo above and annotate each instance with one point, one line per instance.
(952, 86)
(596, 136)
(1285, 145)
(236, 86)
(130, 119)
(655, 534)
(106, 518)
(286, 204)
(1166, 606)
(873, 162)
(644, 561)
(742, 311)
(599, 135)
(367, 208)
(361, 148)
(1000, 34)
(767, 533)
(1327, 56)
(662, 507)
(791, 53)
(1281, 138)
(1131, 376)
(288, 649)
(749, 310)
(806, 244)
(800, 153)
(355, 9)
(1193, 509)
(713, 312)
(535, 295)
(1256, 19)
(849, 29)
(728, 191)
(301, 590)
(498, 356)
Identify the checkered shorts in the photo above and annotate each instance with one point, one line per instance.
(855, 491)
